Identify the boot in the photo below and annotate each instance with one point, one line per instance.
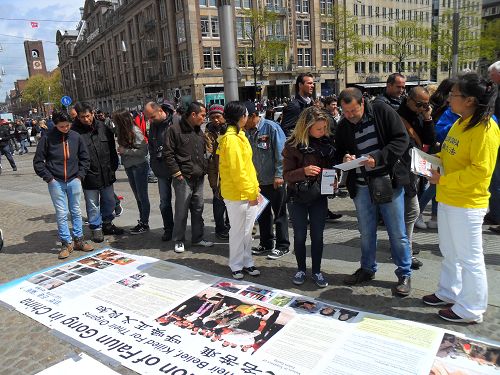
(82, 245)
(66, 249)
(97, 235)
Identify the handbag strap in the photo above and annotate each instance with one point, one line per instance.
(412, 133)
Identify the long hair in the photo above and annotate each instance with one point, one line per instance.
(484, 92)
(125, 126)
(233, 112)
(307, 119)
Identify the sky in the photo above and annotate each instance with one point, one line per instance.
(14, 32)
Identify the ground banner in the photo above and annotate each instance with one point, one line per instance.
(157, 317)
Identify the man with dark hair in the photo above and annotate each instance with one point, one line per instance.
(394, 90)
(304, 88)
(98, 183)
(159, 121)
(267, 141)
(415, 112)
(5, 149)
(186, 163)
(375, 131)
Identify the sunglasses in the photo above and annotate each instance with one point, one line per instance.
(421, 104)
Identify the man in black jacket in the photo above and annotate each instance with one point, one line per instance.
(185, 156)
(98, 183)
(377, 133)
(415, 112)
(5, 149)
(159, 121)
(304, 88)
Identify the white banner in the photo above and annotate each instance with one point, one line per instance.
(156, 317)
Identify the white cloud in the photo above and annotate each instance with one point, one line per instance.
(13, 33)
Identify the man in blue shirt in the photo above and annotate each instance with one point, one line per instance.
(268, 140)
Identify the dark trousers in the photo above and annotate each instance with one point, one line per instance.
(277, 203)
(220, 215)
(5, 150)
(138, 180)
(165, 190)
(316, 213)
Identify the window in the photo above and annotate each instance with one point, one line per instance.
(207, 58)
(327, 56)
(355, 9)
(377, 12)
(359, 67)
(205, 26)
(307, 30)
(184, 59)
(370, 11)
(242, 63)
(243, 28)
(181, 31)
(370, 29)
(166, 37)
(243, 4)
(303, 57)
(214, 22)
(326, 32)
(363, 7)
(168, 65)
(307, 57)
(163, 9)
(207, 3)
(178, 5)
(363, 29)
(209, 26)
(298, 29)
(326, 7)
(217, 58)
(300, 57)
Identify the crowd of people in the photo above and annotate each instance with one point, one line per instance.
(251, 159)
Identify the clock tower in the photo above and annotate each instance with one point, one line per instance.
(35, 57)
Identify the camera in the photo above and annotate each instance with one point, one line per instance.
(159, 152)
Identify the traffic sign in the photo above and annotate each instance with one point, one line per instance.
(66, 100)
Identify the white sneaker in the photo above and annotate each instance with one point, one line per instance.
(179, 247)
(432, 224)
(420, 223)
(203, 243)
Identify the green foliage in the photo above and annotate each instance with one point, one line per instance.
(404, 36)
(489, 43)
(37, 90)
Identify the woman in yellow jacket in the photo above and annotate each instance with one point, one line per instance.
(239, 188)
(468, 154)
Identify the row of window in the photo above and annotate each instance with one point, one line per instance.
(404, 14)
(360, 67)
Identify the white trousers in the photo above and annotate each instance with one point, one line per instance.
(463, 280)
(241, 218)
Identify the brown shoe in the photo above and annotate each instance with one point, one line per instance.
(82, 245)
(66, 249)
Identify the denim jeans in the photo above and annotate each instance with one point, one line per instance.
(5, 150)
(138, 180)
(277, 199)
(393, 215)
(412, 211)
(300, 213)
(188, 198)
(165, 190)
(98, 212)
(220, 215)
(428, 194)
(66, 199)
(495, 192)
(24, 146)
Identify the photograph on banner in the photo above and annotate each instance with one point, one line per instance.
(459, 355)
(231, 321)
(308, 305)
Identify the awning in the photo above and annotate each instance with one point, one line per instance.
(383, 84)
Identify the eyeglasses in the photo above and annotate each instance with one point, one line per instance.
(425, 105)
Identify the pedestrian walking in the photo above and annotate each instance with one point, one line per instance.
(5, 149)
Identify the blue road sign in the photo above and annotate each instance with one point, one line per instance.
(66, 100)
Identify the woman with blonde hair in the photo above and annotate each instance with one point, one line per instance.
(306, 153)
(468, 154)
(239, 188)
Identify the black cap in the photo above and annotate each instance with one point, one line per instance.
(250, 107)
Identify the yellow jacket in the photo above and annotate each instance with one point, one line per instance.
(469, 159)
(238, 178)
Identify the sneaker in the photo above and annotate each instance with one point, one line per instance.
(319, 280)
(118, 209)
(433, 300)
(179, 247)
(277, 253)
(222, 236)
(489, 220)
(432, 224)
(238, 275)
(331, 216)
(495, 230)
(259, 250)
(140, 228)
(299, 278)
(97, 236)
(203, 243)
(449, 315)
(252, 271)
(14, 169)
(82, 245)
(403, 287)
(152, 179)
(66, 249)
(254, 230)
(415, 263)
(110, 228)
(167, 235)
(420, 223)
(359, 276)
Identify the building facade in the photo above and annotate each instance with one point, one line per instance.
(127, 52)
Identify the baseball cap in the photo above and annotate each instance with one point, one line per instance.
(250, 107)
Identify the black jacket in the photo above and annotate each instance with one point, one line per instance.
(392, 138)
(100, 144)
(185, 150)
(384, 98)
(156, 144)
(61, 156)
(21, 132)
(292, 112)
(5, 135)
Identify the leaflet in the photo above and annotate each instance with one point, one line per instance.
(328, 177)
(422, 163)
(348, 165)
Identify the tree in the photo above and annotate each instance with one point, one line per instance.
(408, 40)
(42, 89)
(346, 40)
(489, 42)
(266, 47)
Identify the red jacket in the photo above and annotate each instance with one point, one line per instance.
(141, 124)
